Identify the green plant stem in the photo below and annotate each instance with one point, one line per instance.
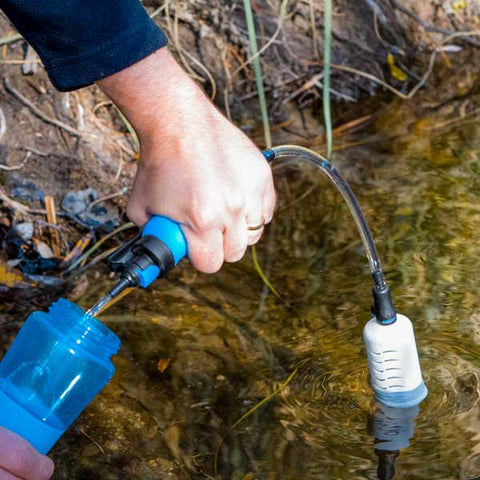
(261, 273)
(327, 111)
(257, 67)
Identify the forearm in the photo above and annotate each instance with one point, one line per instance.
(151, 94)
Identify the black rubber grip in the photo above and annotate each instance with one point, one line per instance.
(157, 251)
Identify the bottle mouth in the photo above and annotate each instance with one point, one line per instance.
(83, 329)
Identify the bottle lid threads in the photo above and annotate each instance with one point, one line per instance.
(83, 329)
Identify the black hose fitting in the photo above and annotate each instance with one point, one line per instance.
(383, 307)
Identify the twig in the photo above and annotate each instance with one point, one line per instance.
(83, 257)
(313, 26)
(17, 206)
(52, 218)
(59, 228)
(158, 10)
(200, 65)
(98, 259)
(3, 124)
(174, 34)
(182, 51)
(377, 30)
(377, 11)
(308, 84)
(18, 62)
(281, 20)
(106, 103)
(40, 153)
(123, 191)
(130, 129)
(78, 249)
(38, 112)
(10, 39)
(83, 432)
(433, 28)
(379, 81)
(19, 166)
(23, 209)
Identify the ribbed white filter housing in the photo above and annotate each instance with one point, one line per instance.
(395, 373)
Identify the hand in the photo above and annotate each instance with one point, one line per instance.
(195, 166)
(19, 460)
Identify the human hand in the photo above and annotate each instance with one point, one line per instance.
(195, 166)
(19, 460)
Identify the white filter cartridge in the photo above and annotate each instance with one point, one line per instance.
(395, 373)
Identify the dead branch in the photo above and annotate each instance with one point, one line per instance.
(9, 168)
(52, 121)
(432, 28)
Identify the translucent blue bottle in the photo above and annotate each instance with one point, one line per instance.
(58, 363)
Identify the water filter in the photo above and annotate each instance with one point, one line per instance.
(395, 373)
(59, 361)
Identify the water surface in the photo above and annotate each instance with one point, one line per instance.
(200, 351)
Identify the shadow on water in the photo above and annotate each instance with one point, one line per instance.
(199, 351)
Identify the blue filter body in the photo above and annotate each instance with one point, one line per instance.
(59, 361)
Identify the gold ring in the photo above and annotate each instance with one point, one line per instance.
(258, 226)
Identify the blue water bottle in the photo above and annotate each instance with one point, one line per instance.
(58, 363)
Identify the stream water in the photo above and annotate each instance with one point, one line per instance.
(200, 351)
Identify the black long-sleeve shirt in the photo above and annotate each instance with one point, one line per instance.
(81, 41)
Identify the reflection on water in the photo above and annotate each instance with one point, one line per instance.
(392, 428)
(199, 351)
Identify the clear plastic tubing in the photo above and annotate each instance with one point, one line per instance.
(294, 153)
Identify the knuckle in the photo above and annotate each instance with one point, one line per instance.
(235, 201)
(205, 218)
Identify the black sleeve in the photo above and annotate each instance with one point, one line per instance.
(81, 41)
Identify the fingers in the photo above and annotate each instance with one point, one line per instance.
(19, 458)
(4, 475)
(137, 212)
(235, 239)
(269, 201)
(205, 249)
(255, 217)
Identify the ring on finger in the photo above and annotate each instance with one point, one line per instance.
(256, 226)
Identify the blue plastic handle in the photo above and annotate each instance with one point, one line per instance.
(170, 233)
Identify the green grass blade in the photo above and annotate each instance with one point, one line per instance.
(262, 275)
(257, 67)
(327, 111)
